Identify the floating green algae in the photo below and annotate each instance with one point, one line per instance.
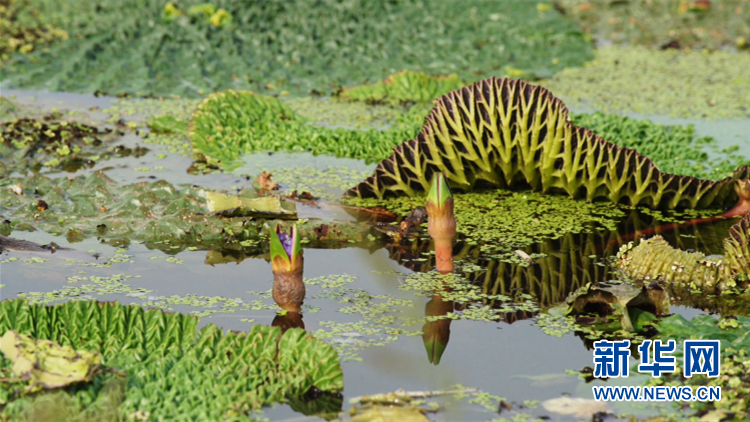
(500, 221)
(158, 213)
(55, 143)
(23, 30)
(696, 84)
(140, 47)
(197, 373)
(404, 87)
(683, 24)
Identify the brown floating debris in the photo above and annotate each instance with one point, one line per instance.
(265, 182)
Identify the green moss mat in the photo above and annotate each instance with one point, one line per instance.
(698, 84)
(138, 47)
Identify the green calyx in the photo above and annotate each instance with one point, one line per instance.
(504, 133)
(440, 192)
(435, 349)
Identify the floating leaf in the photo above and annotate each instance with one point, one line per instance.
(655, 259)
(46, 364)
(263, 207)
(502, 132)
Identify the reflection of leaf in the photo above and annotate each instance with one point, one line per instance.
(378, 413)
(46, 364)
(327, 406)
(622, 301)
(265, 206)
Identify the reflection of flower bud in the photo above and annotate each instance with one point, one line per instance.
(288, 320)
(742, 207)
(436, 334)
(442, 222)
(287, 262)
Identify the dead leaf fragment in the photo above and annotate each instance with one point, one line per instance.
(524, 256)
(265, 182)
(576, 406)
(17, 189)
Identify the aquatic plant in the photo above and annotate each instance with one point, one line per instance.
(288, 266)
(158, 213)
(655, 259)
(690, 84)
(665, 24)
(404, 87)
(23, 30)
(45, 364)
(674, 149)
(630, 307)
(52, 142)
(503, 133)
(441, 225)
(733, 378)
(297, 46)
(227, 125)
(174, 370)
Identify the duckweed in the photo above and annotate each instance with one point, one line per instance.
(696, 84)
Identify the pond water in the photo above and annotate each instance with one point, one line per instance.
(512, 358)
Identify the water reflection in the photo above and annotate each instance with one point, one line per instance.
(288, 283)
(572, 261)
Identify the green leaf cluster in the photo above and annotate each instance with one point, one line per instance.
(22, 30)
(227, 125)
(158, 213)
(175, 371)
(403, 88)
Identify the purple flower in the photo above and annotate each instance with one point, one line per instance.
(286, 242)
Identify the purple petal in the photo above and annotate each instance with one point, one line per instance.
(286, 242)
